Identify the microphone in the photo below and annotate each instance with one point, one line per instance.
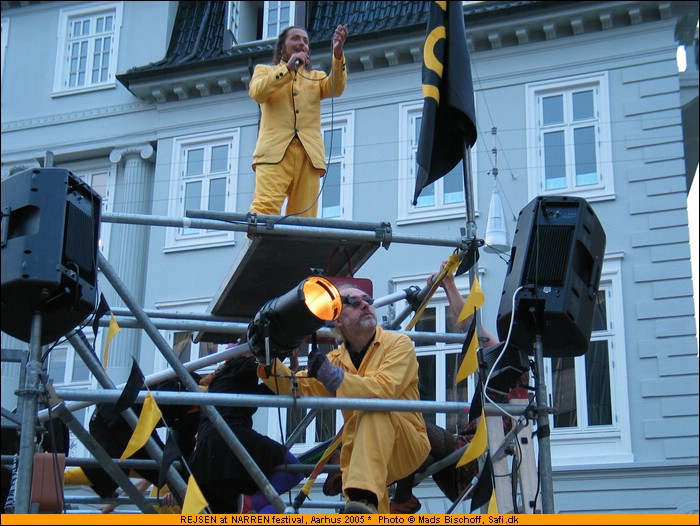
(297, 63)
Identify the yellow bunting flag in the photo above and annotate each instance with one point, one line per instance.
(150, 415)
(111, 333)
(469, 363)
(478, 444)
(194, 499)
(474, 301)
(493, 505)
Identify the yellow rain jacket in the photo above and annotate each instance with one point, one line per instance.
(378, 447)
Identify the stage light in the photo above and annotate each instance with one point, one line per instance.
(285, 321)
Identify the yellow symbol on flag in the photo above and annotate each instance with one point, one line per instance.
(478, 444)
(150, 416)
(194, 499)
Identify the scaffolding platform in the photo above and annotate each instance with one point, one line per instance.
(271, 265)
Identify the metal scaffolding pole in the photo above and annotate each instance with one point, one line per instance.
(155, 378)
(136, 317)
(77, 340)
(105, 461)
(195, 365)
(208, 411)
(144, 463)
(305, 402)
(28, 395)
(386, 237)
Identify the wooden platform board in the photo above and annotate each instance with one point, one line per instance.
(270, 266)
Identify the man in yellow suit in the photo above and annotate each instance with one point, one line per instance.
(289, 157)
(378, 447)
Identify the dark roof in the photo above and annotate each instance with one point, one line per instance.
(364, 17)
(197, 36)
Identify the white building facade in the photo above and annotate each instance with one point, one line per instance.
(148, 102)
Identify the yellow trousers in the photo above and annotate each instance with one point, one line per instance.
(380, 448)
(294, 177)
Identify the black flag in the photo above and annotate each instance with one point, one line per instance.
(484, 487)
(470, 258)
(171, 452)
(448, 125)
(131, 389)
(477, 403)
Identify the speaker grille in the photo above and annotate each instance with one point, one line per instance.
(80, 241)
(547, 262)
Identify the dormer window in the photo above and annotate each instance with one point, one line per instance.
(253, 21)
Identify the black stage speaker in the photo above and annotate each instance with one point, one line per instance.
(557, 258)
(50, 234)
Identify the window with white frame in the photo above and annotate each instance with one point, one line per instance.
(276, 17)
(88, 46)
(569, 139)
(335, 200)
(589, 392)
(248, 21)
(204, 178)
(439, 362)
(441, 199)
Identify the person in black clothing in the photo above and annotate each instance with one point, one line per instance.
(218, 472)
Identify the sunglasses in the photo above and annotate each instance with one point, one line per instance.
(356, 302)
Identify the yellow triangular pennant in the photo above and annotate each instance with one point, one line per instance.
(194, 499)
(493, 504)
(474, 301)
(111, 333)
(150, 416)
(469, 363)
(478, 444)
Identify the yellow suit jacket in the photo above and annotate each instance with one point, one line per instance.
(290, 105)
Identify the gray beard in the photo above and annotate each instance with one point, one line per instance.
(367, 323)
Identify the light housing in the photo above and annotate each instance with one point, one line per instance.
(287, 320)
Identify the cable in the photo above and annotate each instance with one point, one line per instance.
(501, 354)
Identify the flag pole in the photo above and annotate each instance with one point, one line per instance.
(470, 218)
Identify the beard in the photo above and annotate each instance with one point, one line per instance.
(367, 322)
